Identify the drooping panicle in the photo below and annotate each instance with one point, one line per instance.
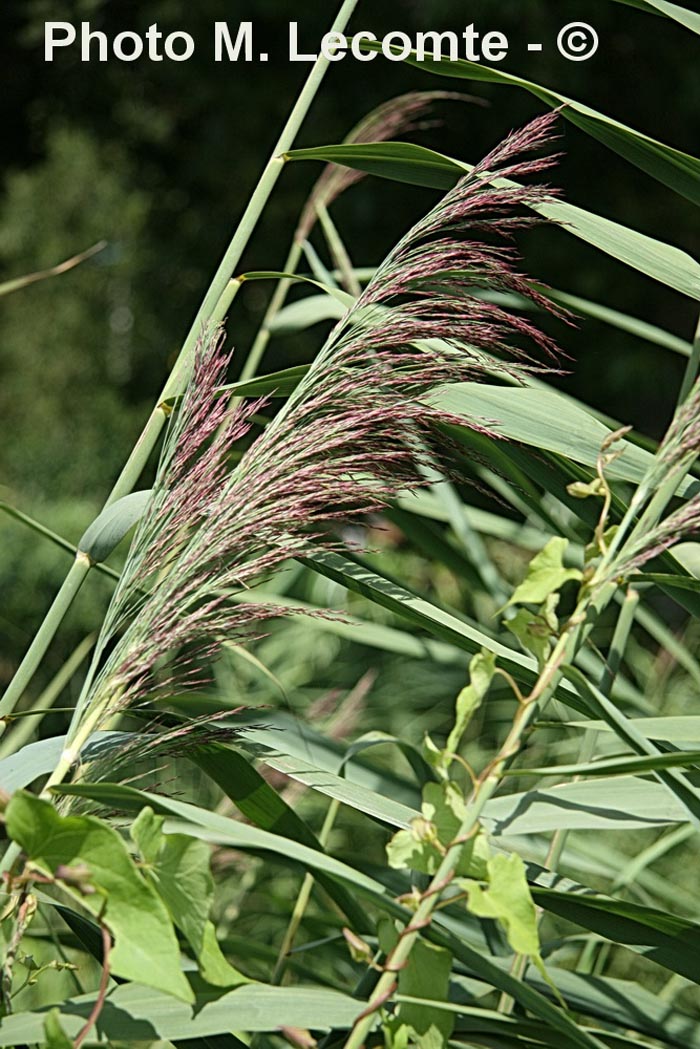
(352, 435)
(680, 526)
(391, 120)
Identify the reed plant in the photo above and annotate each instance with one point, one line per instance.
(387, 736)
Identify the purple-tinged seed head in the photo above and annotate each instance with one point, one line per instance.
(354, 434)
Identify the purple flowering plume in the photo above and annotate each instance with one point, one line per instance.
(392, 119)
(678, 527)
(675, 456)
(683, 524)
(353, 434)
(681, 444)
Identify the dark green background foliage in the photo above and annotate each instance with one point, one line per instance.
(159, 160)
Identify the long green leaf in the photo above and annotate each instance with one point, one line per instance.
(485, 1027)
(488, 970)
(333, 786)
(686, 793)
(38, 759)
(137, 1014)
(542, 418)
(689, 19)
(624, 321)
(670, 581)
(303, 314)
(678, 170)
(623, 803)
(681, 729)
(408, 162)
(624, 1003)
(674, 942)
(614, 766)
(225, 831)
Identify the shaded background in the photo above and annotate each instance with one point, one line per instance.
(159, 159)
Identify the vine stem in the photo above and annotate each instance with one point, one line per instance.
(102, 991)
(595, 597)
(486, 787)
(399, 956)
(213, 307)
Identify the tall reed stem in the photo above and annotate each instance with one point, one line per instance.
(277, 300)
(216, 301)
(44, 635)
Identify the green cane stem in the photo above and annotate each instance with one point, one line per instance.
(215, 296)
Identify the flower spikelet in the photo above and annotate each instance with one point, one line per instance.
(354, 434)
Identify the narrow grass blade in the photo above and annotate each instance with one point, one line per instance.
(689, 19)
(624, 803)
(675, 942)
(407, 162)
(675, 781)
(8, 286)
(677, 170)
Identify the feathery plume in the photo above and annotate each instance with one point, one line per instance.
(142, 759)
(392, 119)
(682, 441)
(353, 434)
(676, 454)
(678, 527)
